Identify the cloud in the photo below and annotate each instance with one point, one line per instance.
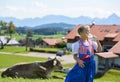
(40, 9)
(11, 8)
(40, 4)
(81, 11)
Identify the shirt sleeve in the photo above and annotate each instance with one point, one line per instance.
(95, 46)
(75, 47)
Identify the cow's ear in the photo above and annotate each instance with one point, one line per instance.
(54, 62)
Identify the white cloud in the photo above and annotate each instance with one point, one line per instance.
(40, 9)
(78, 11)
(11, 8)
(40, 4)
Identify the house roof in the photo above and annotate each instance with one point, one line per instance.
(107, 55)
(111, 35)
(116, 48)
(52, 41)
(13, 42)
(101, 31)
(3, 39)
(117, 38)
(73, 33)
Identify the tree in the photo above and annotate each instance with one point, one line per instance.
(4, 27)
(28, 35)
(11, 28)
(38, 41)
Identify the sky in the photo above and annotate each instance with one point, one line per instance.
(71, 8)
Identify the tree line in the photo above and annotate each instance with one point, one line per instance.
(6, 29)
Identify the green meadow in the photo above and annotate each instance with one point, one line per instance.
(11, 59)
(21, 36)
(14, 49)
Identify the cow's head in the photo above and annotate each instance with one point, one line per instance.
(57, 64)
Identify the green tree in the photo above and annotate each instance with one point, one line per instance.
(3, 27)
(61, 45)
(28, 35)
(11, 28)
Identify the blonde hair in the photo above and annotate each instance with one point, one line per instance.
(82, 28)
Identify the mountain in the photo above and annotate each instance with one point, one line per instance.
(32, 22)
(56, 25)
(47, 29)
(112, 19)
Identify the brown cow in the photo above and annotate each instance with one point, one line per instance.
(33, 70)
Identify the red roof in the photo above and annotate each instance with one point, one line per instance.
(107, 55)
(101, 31)
(117, 38)
(52, 41)
(116, 48)
(111, 35)
(72, 33)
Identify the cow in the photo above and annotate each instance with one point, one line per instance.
(33, 70)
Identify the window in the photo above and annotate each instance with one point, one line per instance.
(106, 30)
(118, 30)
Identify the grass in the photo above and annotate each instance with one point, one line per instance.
(70, 65)
(47, 50)
(21, 36)
(53, 36)
(8, 60)
(14, 49)
(110, 76)
(29, 80)
(50, 50)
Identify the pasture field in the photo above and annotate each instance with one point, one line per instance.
(22, 36)
(110, 76)
(14, 49)
(9, 60)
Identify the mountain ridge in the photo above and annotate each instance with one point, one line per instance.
(33, 22)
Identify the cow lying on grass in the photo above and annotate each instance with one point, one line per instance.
(33, 70)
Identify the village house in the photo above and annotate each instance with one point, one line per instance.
(109, 37)
(11, 42)
(48, 42)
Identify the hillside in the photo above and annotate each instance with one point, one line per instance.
(47, 29)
